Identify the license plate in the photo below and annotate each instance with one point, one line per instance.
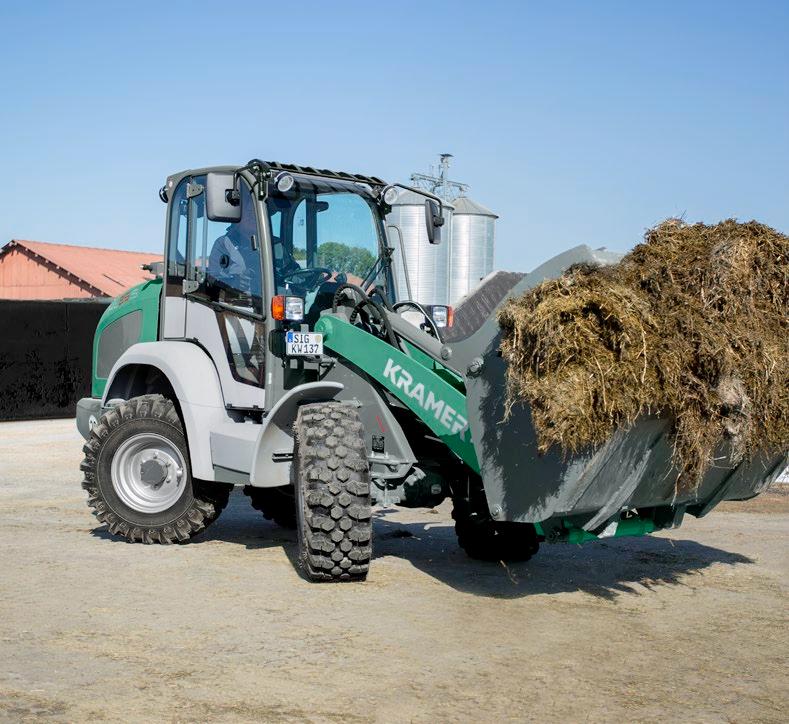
(303, 344)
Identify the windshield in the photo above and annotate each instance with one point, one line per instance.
(323, 233)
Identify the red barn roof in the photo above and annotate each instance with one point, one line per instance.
(88, 270)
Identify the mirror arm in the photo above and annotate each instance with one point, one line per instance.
(260, 172)
(422, 192)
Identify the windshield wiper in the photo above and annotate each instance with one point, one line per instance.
(383, 261)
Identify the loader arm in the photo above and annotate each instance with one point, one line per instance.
(418, 381)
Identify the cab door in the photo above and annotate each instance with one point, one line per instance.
(219, 302)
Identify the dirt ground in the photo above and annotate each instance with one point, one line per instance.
(690, 625)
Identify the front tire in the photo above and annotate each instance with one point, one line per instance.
(485, 539)
(138, 477)
(332, 482)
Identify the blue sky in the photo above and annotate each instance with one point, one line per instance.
(576, 122)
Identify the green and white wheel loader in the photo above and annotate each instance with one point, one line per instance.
(273, 352)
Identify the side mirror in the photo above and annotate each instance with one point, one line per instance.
(155, 267)
(434, 221)
(221, 198)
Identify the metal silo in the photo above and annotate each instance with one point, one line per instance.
(471, 248)
(427, 264)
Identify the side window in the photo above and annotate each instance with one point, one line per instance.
(300, 236)
(176, 253)
(275, 218)
(225, 258)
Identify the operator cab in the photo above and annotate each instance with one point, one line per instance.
(262, 250)
(325, 233)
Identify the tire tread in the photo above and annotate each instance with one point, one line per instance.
(330, 465)
(209, 498)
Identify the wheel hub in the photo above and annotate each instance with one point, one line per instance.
(148, 473)
(153, 472)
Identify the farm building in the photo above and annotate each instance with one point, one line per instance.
(40, 270)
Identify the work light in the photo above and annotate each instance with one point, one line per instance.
(390, 195)
(284, 182)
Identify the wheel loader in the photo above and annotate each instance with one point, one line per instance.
(273, 352)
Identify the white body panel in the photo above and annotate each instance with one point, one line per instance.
(271, 457)
(233, 445)
(196, 384)
(174, 318)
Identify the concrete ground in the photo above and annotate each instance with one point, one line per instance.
(689, 625)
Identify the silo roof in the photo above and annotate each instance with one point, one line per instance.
(464, 205)
(409, 198)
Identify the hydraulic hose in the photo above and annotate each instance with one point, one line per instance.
(380, 313)
(363, 302)
(420, 308)
(376, 291)
(342, 287)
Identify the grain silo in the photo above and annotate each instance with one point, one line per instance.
(471, 247)
(443, 273)
(427, 264)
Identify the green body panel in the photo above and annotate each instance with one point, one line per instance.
(145, 298)
(414, 380)
(625, 527)
(427, 361)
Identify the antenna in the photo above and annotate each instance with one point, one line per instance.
(440, 185)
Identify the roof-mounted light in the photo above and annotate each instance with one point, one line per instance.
(390, 195)
(284, 182)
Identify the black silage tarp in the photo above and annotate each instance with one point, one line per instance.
(45, 356)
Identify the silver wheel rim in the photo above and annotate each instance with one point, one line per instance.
(148, 473)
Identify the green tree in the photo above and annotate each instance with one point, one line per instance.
(339, 257)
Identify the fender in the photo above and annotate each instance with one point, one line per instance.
(274, 447)
(195, 381)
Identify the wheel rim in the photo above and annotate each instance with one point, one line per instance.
(148, 473)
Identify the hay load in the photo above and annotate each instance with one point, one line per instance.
(692, 324)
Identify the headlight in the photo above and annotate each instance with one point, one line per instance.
(289, 309)
(443, 316)
(294, 309)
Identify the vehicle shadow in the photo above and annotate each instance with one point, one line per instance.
(239, 523)
(604, 569)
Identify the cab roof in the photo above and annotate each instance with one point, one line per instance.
(278, 167)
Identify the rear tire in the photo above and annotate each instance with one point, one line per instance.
(138, 477)
(332, 482)
(277, 504)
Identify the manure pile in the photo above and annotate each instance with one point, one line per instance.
(691, 324)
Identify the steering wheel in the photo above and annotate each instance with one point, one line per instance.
(308, 278)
